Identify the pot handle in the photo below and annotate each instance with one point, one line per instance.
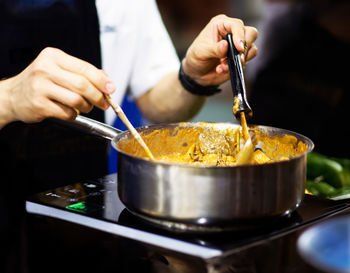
(95, 127)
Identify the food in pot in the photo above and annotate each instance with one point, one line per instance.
(212, 144)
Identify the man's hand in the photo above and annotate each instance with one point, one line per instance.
(206, 61)
(56, 85)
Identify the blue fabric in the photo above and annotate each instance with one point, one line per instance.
(30, 5)
(135, 117)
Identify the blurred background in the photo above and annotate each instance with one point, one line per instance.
(299, 80)
(184, 24)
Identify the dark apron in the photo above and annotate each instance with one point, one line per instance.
(46, 155)
(26, 29)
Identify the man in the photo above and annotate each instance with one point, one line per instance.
(137, 54)
(51, 58)
(57, 84)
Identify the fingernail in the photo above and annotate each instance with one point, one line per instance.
(106, 105)
(242, 45)
(242, 57)
(110, 87)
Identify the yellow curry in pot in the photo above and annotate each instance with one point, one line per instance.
(211, 144)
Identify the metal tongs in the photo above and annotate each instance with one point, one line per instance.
(241, 108)
(237, 81)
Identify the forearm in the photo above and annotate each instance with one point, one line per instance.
(5, 105)
(168, 101)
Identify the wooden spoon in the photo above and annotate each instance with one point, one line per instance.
(118, 110)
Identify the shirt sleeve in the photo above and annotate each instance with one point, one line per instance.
(155, 54)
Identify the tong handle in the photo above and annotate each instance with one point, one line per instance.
(237, 79)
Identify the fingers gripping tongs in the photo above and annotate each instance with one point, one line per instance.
(240, 103)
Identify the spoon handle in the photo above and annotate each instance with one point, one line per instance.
(237, 80)
(118, 110)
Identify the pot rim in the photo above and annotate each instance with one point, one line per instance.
(300, 137)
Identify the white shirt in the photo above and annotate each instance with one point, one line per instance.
(136, 48)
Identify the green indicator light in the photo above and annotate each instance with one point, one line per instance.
(79, 207)
(84, 207)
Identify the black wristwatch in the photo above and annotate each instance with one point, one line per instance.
(194, 88)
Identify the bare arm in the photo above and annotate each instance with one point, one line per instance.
(168, 101)
(205, 63)
(6, 115)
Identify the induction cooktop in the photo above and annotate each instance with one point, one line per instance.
(95, 204)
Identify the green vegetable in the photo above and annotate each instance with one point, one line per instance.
(327, 176)
(342, 161)
(321, 189)
(320, 167)
(346, 170)
(341, 191)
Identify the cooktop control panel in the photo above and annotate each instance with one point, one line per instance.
(95, 204)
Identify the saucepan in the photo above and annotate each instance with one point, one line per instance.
(203, 195)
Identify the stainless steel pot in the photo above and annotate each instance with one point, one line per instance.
(205, 196)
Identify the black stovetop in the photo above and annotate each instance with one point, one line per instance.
(95, 204)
